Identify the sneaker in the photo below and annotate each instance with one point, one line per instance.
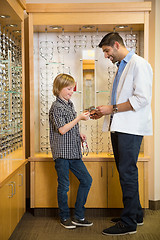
(119, 229)
(115, 220)
(82, 223)
(67, 224)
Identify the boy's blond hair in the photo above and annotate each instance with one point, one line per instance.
(61, 81)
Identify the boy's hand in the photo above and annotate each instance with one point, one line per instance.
(83, 137)
(84, 116)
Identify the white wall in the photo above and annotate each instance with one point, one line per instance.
(153, 147)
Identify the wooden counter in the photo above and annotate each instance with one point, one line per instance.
(92, 157)
(10, 164)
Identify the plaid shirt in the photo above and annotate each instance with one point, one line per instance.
(66, 146)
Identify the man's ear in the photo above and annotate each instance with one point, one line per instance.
(117, 45)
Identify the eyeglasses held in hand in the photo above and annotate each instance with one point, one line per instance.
(85, 149)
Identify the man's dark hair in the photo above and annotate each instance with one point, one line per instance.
(110, 39)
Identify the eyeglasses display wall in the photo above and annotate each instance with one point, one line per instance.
(65, 52)
(10, 90)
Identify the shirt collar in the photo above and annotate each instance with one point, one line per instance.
(126, 59)
(64, 102)
(128, 56)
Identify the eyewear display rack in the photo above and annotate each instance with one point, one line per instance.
(12, 123)
(72, 17)
(12, 116)
(77, 54)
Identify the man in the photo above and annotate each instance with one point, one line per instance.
(131, 119)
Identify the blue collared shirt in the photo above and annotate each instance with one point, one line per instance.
(121, 65)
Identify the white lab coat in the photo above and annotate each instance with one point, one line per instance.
(135, 85)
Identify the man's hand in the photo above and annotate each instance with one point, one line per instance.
(104, 109)
(101, 111)
(96, 115)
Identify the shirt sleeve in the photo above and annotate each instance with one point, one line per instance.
(142, 87)
(59, 117)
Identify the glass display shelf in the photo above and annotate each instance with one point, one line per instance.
(77, 91)
(58, 63)
(12, 128)
(11, 91)
(103, 91)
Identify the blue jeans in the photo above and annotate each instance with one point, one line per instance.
(126, 149)
(78, 168)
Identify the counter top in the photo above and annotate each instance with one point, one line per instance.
(92, 157)
(8, 167)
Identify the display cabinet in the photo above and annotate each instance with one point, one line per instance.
(63, 38)
(104, 193)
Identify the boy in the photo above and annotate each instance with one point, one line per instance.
(65, 142)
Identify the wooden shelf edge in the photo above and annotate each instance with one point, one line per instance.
(86, 159)
(88, 7)
(22, 3)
